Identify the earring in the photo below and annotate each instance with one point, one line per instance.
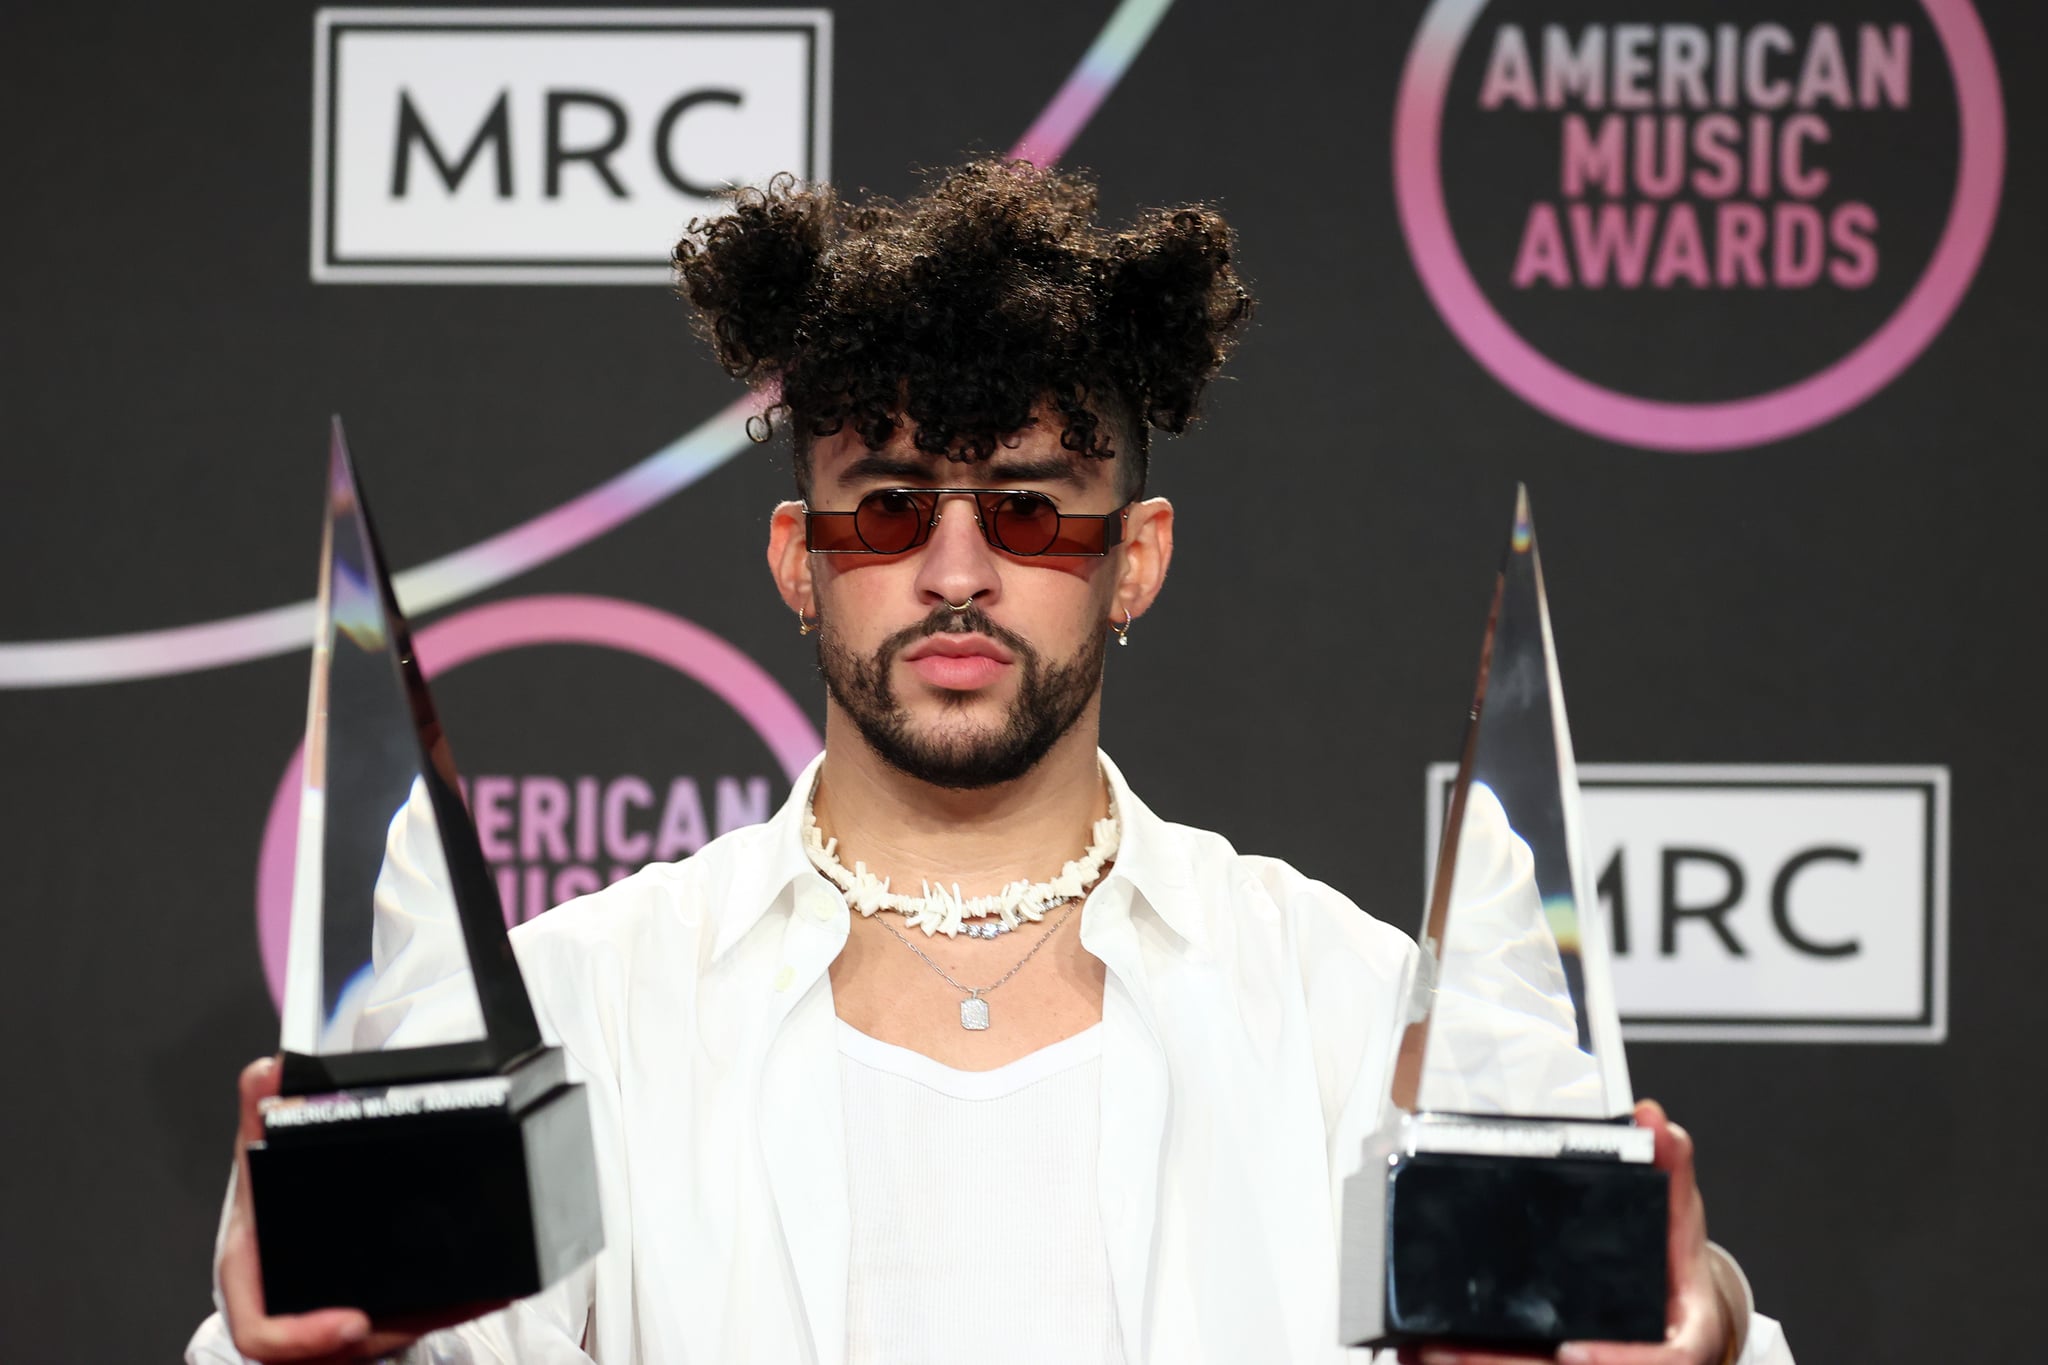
(1123, 632)
(806, 624)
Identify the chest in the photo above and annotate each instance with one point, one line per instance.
(973, 1203)
(1209, 1179)
(1027, 990)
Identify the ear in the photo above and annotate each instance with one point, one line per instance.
(789, 559)
(1146, 551)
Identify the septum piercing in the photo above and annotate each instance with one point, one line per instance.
(961, 607)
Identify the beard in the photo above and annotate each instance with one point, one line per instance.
(1050, 698)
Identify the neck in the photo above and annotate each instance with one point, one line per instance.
(909, 831)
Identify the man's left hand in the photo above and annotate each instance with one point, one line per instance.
(1697, 1328)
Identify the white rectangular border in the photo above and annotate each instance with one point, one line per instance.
(1935, 776)
(324, 21)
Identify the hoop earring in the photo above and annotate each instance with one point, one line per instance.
(805, 624)
(1123, 632)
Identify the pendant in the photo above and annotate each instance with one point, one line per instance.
(974, 1012)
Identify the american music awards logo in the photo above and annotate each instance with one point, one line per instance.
(566, 800)
(1703, 227)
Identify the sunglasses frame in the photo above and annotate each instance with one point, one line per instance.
(1112, 522)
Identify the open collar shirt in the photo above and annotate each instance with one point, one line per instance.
(1249, 1019)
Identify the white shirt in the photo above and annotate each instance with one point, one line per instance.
(976, 1235)
(1250, 1016)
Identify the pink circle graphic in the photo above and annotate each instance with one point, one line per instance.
(629, 627)
(1693, 427)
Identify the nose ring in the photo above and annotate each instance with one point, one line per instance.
(961, 606)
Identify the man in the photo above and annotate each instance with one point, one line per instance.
(965, 1054)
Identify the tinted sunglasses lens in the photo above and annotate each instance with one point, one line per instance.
(1024, 523)
(831, 532)
(890, 520)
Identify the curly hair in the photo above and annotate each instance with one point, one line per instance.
(964, 310)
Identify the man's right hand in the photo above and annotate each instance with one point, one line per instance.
(330, 1334)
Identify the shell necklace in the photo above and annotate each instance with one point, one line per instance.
(943, 910)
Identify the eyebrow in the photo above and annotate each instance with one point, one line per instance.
(1000, 470)
(1036, 471)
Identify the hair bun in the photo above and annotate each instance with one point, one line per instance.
(750, 272)
(1176, 303)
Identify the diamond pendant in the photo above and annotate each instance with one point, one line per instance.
(974, 1012)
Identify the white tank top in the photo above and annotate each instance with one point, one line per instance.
(976, 1233)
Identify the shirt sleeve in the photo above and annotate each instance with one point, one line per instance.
(1766, 1344)
(1355, 979)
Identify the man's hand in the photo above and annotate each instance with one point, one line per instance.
(1697, 1329)
(318, 1338)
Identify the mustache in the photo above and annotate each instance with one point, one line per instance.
(945, 621)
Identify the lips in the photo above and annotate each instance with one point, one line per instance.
(958, 663)
(957, 647)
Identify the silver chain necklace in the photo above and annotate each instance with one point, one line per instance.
(974, 1009)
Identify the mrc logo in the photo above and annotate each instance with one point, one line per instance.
(524, 146)
(1766, 902)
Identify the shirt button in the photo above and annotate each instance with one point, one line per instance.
(784, 977)
(821, 909)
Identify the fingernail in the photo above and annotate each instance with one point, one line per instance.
(355, 1329)
(1572, 1353)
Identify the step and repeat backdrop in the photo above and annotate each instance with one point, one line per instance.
(1746, 291)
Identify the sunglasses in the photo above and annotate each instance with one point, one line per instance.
(1017, 521)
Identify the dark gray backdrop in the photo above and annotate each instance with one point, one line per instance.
(1862, 593)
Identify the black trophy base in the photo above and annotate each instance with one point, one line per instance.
(420, 1198)
(1525, 1251)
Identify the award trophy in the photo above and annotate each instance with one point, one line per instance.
(1506, 1199)
(425, 1151)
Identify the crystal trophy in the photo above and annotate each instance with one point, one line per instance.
(425, 1151)
(1507, 1200)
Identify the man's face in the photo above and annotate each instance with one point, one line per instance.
(970, 698)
